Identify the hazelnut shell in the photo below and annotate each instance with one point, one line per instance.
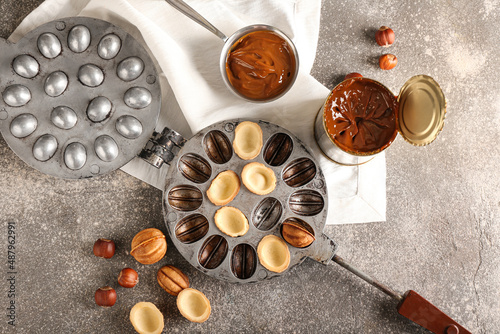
(387, 61)
(128, 278)
(385, 36)
(105, 296)
(104, 248)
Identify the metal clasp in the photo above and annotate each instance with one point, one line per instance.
(162, 147)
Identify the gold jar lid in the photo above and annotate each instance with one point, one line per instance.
(422, 109)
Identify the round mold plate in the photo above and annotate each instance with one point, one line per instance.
(48, 49)
(247, 202)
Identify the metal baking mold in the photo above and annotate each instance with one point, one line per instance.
(198, 212)
(80, 97)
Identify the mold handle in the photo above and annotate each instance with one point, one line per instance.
(324, 249)
(412, 306)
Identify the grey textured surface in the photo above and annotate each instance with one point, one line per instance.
(441, 237)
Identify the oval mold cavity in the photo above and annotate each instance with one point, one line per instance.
(63, 117)
(75, 156)
(213, 252)
(129, 127)
(267, 214)
(99, 109)
(278, 149)
(185, 198)
(109, 46)
(137, 97)
(130, 68)
(191, 228)
(243, 261)
(23, 125)
(217, 147)
(90, 75)
(16, 95)
(306, 202)
(299, 172)
(49, 45)
(45, 147)
(56, 83)
(26, 66)
(106, 148)
(195, 168)
(79, 38)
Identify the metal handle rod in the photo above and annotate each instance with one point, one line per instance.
(384, 288)
(185, 9)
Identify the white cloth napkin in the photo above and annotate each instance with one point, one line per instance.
(194, 95)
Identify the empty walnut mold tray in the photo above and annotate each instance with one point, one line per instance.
(80, 98)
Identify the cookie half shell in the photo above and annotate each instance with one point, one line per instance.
(273, 253)
(247, 142)
(224, 188)
(258, 178)
(193, 305)
(231, 221)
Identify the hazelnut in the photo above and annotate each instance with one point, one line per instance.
(104, 248)
(297, 232)
(105, 296)
(352, 75)
(172, 280)
(128, 278)
(387, 61)
(193, 305)
(149, 246)
(384, 36)
(146, 318)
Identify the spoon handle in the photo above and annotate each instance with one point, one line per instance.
(185, 9)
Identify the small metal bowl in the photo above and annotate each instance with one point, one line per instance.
(230, 41)
(234, 38)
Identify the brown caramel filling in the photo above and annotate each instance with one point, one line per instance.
(260, 65)
(360, 116)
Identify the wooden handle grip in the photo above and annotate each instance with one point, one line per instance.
(421, 311)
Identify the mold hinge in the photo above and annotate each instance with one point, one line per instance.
(162, 147)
